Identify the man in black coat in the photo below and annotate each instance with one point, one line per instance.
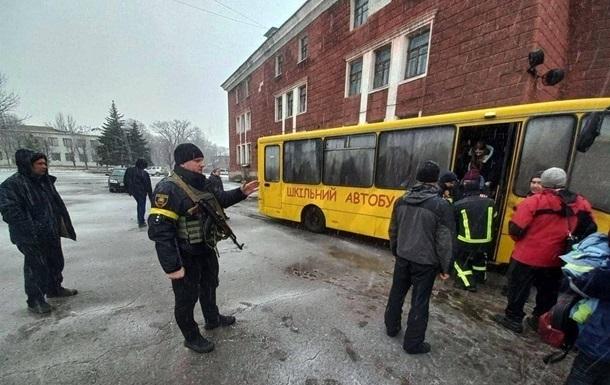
(37, 218)
(186, 243)
(137, 183)
(422, 232)
(216, 180)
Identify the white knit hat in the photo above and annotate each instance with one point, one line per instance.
(553, 177)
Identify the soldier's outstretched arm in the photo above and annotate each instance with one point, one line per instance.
(231, 197)
(162, 226)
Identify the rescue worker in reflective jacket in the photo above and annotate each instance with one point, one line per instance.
(186, 243)
(474, 219)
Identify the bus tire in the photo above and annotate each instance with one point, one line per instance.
(313, 219)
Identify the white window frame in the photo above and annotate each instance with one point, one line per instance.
(348, 68)
(405, 54)
(299, 112)
(279, 68)
(248, 119)
(372, 81)
(301, 57)
(352, 13)
(279, 114)
(247, 87)
(237, 124)
(290, 103)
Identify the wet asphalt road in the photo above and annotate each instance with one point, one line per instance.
(309, 310)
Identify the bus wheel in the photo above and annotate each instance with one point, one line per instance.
(313, 219)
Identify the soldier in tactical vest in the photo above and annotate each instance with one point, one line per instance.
(185, 237)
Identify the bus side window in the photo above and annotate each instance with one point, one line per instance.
(591, 170)
(272, 163)
(400, 152)
(547, 144)
(302, 161)
(348, 160)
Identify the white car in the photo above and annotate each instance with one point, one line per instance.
(156, 171)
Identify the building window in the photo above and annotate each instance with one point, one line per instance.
(303, 43)
(417, 54)
(81, 143)
(361, 12)
(302, 99)
(278, 108)
(56, 156)
(248, 121)
(237, 94)
(247, 157)
(355, 77)
(53, 141)
(238, 124)
(289, 100)
(93, 144)
(238, 155)
(247, 87)
(67, 142)
(382, 66)
(279, 65)
(69, 156)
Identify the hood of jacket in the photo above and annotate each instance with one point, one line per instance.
(421, 192)
(24, 159)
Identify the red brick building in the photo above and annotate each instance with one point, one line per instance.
(344, 62)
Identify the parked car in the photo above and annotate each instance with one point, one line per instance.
(116, 180)
(156, 171)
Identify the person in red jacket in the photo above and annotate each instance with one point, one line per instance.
(541, 227)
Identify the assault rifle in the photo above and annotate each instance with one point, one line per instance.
(217, 218)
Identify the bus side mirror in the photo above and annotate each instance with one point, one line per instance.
(591, 130)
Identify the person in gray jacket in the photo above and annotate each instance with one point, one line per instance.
(422, 232)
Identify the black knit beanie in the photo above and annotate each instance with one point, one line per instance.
(428, 172)
(185, 152)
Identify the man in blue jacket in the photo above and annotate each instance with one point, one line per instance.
(592, 364)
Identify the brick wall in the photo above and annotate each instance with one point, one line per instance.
(478, 58)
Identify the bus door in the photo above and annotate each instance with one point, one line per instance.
(500, 148)
(270, 192)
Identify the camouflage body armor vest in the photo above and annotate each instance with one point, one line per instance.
(194, 227)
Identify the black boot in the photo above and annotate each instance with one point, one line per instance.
(509, 324)
(222, 320)
(199, 344)
(422, 348)
(62, 292)
(39, 307)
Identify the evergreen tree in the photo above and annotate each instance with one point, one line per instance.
(138, 144)
(114, 148)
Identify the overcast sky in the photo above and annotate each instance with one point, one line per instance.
(158, 59)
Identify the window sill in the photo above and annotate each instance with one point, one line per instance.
(409, 80)
(379, 89)
(302, 112)
(302, 60)
(347, 96)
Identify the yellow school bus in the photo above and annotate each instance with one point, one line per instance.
(348, 178)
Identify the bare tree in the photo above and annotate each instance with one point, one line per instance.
(173, 133)
(76, 143)
(8, 100)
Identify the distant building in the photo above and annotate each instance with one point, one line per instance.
(347, 62)
(62, 148)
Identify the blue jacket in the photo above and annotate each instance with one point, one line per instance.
(594, 336)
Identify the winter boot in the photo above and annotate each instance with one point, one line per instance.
(222, 320)
(509, 324)
(62, 292)
(199, 344)
(39, 307)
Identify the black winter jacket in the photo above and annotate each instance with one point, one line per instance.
(32, 206)
(422, 228)
(477, 209)
(162, 228)
(137, 182)
(216, 182)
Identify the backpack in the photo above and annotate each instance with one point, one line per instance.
(557, 329)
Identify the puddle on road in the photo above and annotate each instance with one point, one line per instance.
(360, 261)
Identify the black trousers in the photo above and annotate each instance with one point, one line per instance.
(42, 268)
(546, 280)
(421, 277)
(199, 284)
(587, 370)
(141, 208)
